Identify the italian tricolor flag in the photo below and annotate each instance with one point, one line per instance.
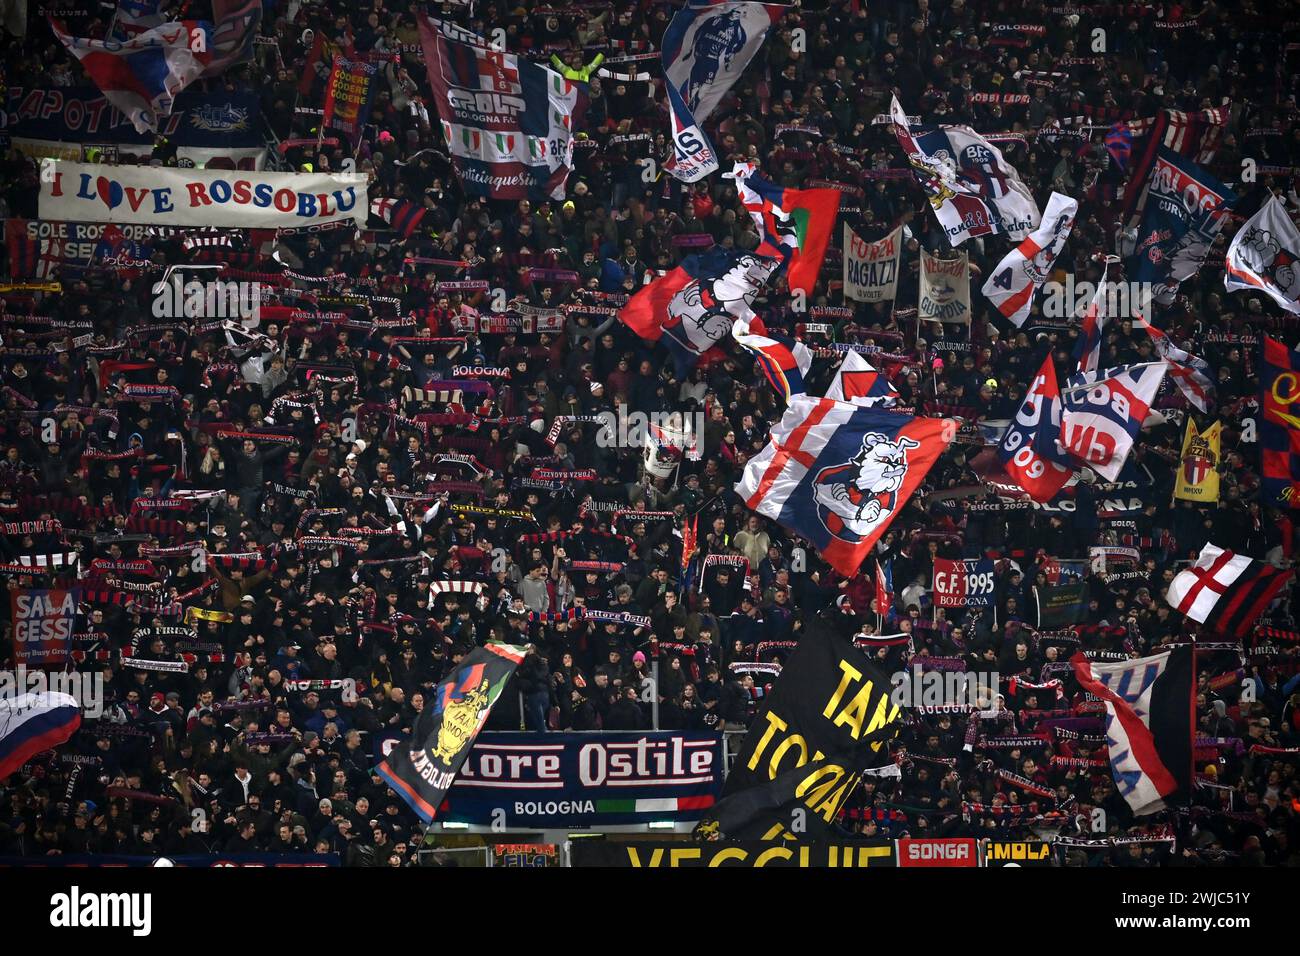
(795, 224)
(654, 805)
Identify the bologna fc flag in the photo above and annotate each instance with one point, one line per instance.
(706, 47)
(508, 123)
(1185, 209)
(692, 308)
(1226, 592)
(1198, 476)
(795, 224)
(783, 361)
(857, 382)
(1265, 256)
(828, 718)
(1279, 427)
(1149, 704)
(1030, 451)
(1021, 273)
(973, 190)
(31, 723)
(838, 474)
(1104, 412)
(421, 768)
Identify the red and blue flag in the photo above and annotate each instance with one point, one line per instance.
(839, 474)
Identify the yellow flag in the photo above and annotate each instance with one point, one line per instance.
(1198, 476)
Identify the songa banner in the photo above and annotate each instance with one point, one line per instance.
(945, 851)
(348, 95)
(43, 621)
(422, 768)
(871, 268)
(527, 781)
(964, 583)
(945, 289)
(643, 855)
(160, 196)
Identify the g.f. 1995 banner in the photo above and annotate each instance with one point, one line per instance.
(967, 583)
(565, 780)
(157, 196)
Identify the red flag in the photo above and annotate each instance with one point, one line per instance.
(882, 592)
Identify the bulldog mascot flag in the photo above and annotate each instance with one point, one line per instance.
(838, 473)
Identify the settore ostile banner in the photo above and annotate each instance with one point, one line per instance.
(531, 781)
(154, 196)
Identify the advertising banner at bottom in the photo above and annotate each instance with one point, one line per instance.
(207, 860)
(1009, 853)
(945, 851)
(645, 855)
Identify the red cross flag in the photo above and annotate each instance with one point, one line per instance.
(1226, 592)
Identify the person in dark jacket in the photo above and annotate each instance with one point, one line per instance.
(535, 685)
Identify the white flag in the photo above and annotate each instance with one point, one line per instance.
(1013, 284)
(1265, 255)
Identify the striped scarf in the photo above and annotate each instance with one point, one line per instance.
(325, 541)
(457, 587)
(41, 526)
(244, 561)
(606, 567)
(158, 527)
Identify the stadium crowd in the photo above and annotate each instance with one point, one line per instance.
(390, 495)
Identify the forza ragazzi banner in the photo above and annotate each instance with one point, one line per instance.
(744, 854)
(159, 196)
(588, 779)
(947, 851)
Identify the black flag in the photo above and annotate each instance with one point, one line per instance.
(421, 769)
(829, 717)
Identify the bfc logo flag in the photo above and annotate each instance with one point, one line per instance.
(1265, 255)
(964, 583)
(972, 189)
(1185, 209)
(1279, 426)
(838, 474)
(692, 308)
(1031, 451)
(1021, 273)
(1104, 412)
(706, 47)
